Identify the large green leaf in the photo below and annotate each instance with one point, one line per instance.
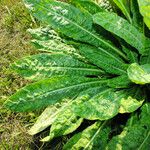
(92, 138)
(136, 135)
(63, 17)
(139, 74)
(104, 59)
(144, 6)
(42, 66)
(108, 103)
(124, 6)
(49, 91)
(122, 28)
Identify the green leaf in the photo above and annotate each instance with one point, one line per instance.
(124, 6)
(108, 103)
(42, 66)
(63, 18)
(144, 6)
(132, 56)
(87, 5)
(145, 59)
(49, 91)
(136, 135)
(137, 19)
(63, 127)
(119, 82)
(104, 59)
(93, 137)
(131, 138)
(53, 46)
(145, 115)
(120, 27)
(139, 74)
(66, 121)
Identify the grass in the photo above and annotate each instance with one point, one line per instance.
(14, 44)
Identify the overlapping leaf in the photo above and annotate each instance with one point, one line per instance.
(93, 137)
(139, 74)
(124, 6)
(135, 135)
(54, 113)
(48, 117)
(123, 29)
(137, 19)
(49, 91)
(67, 121)
(45, 119)
(42, 66)
(109, 103)
(103, 59)
(119, 82)
(132, 55)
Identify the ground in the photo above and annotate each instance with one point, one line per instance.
(14, 44)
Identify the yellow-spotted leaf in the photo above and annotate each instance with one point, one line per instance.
(66, 120)
(139, 74)
(40, 66)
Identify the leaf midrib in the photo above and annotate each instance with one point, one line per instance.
(71, 68)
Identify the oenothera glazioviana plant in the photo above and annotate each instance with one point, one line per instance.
(94, 65)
